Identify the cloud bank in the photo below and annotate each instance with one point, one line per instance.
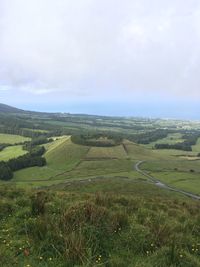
(99, 49)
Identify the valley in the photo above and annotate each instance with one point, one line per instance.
(87, 190)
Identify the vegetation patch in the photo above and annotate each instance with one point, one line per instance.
(97, 140)
(69, 228)
(12, 139)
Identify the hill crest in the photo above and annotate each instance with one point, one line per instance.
(9, 109)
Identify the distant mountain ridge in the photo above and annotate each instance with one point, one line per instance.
(9, 109)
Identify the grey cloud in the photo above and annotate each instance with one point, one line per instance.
(98, 48)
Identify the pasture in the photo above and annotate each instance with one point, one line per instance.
(11, 152)
(115, 152)
(12, 139)
(171, 139)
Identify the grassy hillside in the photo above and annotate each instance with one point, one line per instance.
(8, 109)
(140, 152)
(61, 156)
(67, 161)
(107, 222)
(107, 152)
(183, 174)
(90, 206)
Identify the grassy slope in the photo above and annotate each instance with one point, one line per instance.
(139, 152)
(107, 152)
(106, 222)
(61, 156)
(196, 148)
(11, 152)
(66, 161)
(183, 174)
(183, 180)
(12, 139)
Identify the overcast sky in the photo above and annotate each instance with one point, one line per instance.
(80, 54)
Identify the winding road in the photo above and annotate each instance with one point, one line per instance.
(161, 184)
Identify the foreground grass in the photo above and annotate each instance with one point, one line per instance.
(113, 222)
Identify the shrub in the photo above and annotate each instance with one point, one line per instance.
(38, 202)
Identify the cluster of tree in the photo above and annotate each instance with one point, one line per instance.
(179, 146)
(2, 146)
(25, 161)
(5, 171)
(98, 140)
(148, 137)
(190, 139)
(32, 158)
(25, 125)
(40, 140)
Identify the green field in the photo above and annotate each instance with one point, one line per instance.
(181, 180)
(181, 174)
(11, 152)
(107, 152)
(196, 148)
(66, 160)
(94, 206)
(173, 165)
(170, 139)
(12, 139)
(61, 155)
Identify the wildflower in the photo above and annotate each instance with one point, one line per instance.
(181, 256)
(40, 257)
(50, 259)
(152, 244)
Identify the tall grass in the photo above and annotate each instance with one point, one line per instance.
(48, 228)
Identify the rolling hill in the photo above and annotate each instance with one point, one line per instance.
(8, 109)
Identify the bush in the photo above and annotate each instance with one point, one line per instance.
(38, 202)
(5, 172)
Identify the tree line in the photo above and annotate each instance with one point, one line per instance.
(31, 159)
(190, 139)
(94, 140)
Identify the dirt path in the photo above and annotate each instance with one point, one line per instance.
(161, 184)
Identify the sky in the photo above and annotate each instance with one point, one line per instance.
(110, 57)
